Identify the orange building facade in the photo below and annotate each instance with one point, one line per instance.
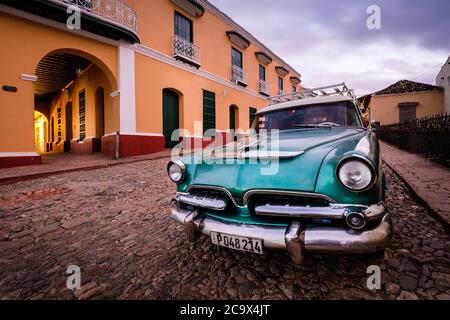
(128, 75)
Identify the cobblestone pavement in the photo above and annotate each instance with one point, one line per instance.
(114, 224)
(431, 183)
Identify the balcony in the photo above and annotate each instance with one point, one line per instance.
(185, 51)
(263, 87)
(113, 19)
(239, 76)
(113, 11)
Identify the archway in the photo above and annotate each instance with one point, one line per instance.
(40, 132)
(70, 90)
(171, 116)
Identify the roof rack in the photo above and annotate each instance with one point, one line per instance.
(330, 90)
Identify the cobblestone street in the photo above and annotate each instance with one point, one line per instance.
(114, 223)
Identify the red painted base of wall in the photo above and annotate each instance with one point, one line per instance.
(109, 145)
(134, 145)
(82, 147)
(8, 162)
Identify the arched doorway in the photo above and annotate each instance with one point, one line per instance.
(234, 117)
(40, 132)
(72, 89)
(171, 116)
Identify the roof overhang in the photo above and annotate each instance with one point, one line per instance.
(282, 71)
(192, 7)
(263, 57)
(238, 39)
(57, 12)
(295, 80)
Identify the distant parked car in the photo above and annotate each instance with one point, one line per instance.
(327, 194)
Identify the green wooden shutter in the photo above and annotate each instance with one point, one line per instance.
(252, 113)
(209, 110)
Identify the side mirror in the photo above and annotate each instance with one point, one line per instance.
(374, 124)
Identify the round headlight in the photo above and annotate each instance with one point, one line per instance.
(355, 174)
(176, 169)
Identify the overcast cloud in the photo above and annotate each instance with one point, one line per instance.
(327, 41)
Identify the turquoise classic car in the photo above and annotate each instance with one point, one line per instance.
(309, 179)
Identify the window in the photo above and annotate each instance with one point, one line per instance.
(280, 85)
(294, 89)
(82, 108)
(407, 112)
(236, 58)
(58, 125)
(252, 114)
(183, 27)
(209, 110)
(262, 73)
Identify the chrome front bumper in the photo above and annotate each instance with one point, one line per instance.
(295, 238)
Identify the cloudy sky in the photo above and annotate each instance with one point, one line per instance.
(328, 41)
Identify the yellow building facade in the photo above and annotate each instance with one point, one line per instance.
(127, 75)
(404, 101)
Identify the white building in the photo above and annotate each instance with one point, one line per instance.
(443, 80)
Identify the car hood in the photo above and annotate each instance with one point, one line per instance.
(301, 155)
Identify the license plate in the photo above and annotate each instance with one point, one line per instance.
(237, 243)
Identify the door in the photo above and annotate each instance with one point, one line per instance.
(232, 118)
(69, 134)
(171, 117)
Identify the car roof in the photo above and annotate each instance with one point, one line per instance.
(304, 102)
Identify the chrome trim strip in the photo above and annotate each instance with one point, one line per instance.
(300, 212)
(333, 211)
(216, 188)
(269, 155)
(286, 193)
(203, 201)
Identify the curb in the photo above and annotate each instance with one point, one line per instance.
(421, 200)
(12, 180)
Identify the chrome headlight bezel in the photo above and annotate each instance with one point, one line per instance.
(362, 160)
(182, 168)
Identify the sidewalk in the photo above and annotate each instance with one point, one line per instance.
(53, 164)
(428, 180)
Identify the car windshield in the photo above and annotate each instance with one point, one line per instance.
(338, 114)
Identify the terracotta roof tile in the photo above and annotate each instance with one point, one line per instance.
(406, 86)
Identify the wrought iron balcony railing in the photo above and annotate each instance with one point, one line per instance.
(113, 11)
(263, 87)
(238, 75)
(185, 50)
